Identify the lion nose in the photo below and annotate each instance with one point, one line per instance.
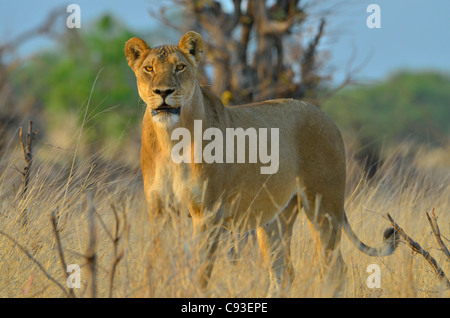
(163, 92)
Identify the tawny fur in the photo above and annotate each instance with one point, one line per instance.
(237, 195)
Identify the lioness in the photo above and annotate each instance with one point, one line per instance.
(236, 195)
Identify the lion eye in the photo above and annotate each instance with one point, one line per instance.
(180, 67)
(148, 68)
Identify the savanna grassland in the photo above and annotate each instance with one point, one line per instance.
(84, 202)
(90, 211)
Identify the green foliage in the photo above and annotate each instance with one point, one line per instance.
(61, 79)
(407, 105)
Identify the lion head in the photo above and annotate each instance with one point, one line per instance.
(166, 75)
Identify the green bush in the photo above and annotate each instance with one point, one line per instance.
(61, 79)
(414, 106)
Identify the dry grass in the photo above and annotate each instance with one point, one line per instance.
(129, 257)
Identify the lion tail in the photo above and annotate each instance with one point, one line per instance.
(390, 241)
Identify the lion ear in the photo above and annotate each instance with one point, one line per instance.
(135, 51)
(191, 44)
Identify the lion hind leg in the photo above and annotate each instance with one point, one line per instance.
(327, 235)
(274, 241)
(326, 229)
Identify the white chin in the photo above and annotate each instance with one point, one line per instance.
(166, 119)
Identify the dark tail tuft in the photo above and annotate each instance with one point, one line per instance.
(391, 238)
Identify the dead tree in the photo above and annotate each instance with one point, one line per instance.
(15, 105)
(415, 247)
(28, 156)
(247, 56)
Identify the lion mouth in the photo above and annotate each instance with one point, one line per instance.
(165, 108)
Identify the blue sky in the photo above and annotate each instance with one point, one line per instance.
(414, 34)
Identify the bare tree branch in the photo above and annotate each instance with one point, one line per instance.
(310, 78)
(28, 156)
(437, 233)
(118, 255)
(38, 264)
(91, 255)
(61, 251)
(417, 248)
(45, 28)
(247, 52)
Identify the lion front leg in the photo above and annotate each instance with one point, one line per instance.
(206, 237)
(154, 205)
